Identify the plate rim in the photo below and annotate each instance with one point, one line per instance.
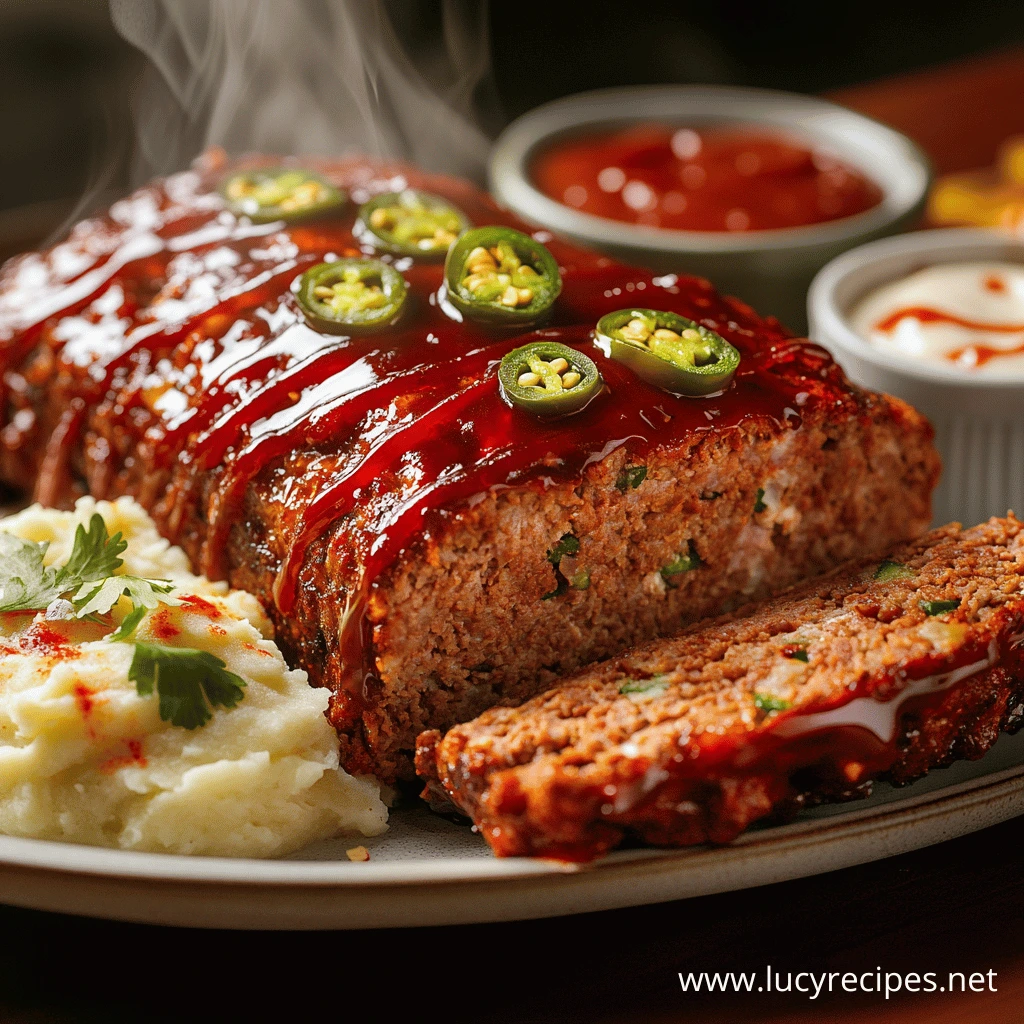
(51, 856)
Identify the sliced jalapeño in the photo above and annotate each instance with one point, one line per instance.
(281, 193)
(350, 296)
(500, 276)
(668, 350)
(410, 223)
(548, 379)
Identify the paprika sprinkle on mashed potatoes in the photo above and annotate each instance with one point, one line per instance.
(145, 708)
(733, 178)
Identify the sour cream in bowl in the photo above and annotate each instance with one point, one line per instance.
(966, 315)
(937, 319)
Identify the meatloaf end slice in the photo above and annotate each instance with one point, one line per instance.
(880, 669)
(478, 614)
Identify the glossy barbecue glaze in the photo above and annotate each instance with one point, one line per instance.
(176, 320)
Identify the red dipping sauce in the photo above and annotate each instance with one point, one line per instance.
(715, 179)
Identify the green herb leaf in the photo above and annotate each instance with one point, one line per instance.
(128, 623)
(631, 476)
(567, 545)
(889, 570)
(94, 555)
(98, 600)
(186, 680)
(681, 563)
(759, 505)
(797, 654)
(25, 583)
(939, 607)
(766, 702)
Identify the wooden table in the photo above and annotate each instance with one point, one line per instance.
(959, 114)
(954, 907)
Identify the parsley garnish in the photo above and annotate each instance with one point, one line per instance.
(143, 593)
(766, 702)
(939, 607)
(26, 584)
(631, 476)
(185, 680)
(759, 505)
(188, 682)
(889, 570)
(128, 624)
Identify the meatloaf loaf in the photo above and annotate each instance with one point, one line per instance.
(877, 669)
(425, 550)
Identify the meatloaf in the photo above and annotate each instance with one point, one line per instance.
(878, 669)
(425, 550)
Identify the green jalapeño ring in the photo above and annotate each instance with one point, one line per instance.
(548, 379)
(351, 296)
(668, 350)
(410, 223)
(499, 276)
(281, 193)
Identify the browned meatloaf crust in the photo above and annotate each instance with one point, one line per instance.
(910, 663)
(459, 621)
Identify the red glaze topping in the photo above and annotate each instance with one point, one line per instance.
(178, 319)
(718, 179)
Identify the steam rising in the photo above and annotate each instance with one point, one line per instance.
(326, 77)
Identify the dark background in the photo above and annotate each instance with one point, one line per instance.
(67, 77)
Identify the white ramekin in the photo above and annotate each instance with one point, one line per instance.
(979, 423)
(769, 269)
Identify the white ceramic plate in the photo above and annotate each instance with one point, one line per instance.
(428, 871)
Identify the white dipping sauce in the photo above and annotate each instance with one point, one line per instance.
(960, 315)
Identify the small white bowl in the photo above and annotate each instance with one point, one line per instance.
(769, 269)
(979, 423)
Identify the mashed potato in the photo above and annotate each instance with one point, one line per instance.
(85, 759)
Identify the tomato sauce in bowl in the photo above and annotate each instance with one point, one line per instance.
(732, 179)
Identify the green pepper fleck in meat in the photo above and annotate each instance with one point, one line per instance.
(548, 379)
(797, 650)
(281, 193)
(668, 350)
(640, 690)
(680, 564)
(769, 703)
(350, 296)
(631, 476)
(889, 570)
(939, 607)
(500, 276)
(410, 223)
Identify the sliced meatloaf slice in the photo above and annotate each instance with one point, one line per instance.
(879, 669)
